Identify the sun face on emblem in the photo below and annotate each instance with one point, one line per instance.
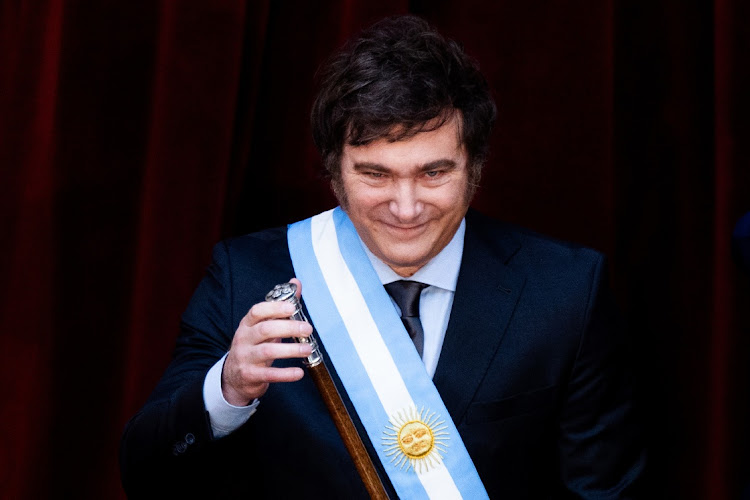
(415, 440)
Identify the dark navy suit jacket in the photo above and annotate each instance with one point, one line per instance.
(534, 371)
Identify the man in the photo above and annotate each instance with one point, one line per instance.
(518, 386)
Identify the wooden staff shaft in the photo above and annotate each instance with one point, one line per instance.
(348, 432)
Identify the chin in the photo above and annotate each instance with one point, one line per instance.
(406, 262)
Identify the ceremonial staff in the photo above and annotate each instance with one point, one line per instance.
(332, 398)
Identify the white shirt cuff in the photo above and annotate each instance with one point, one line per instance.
(225, 418)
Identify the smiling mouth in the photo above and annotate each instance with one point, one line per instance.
(405, 233)
(399, 228)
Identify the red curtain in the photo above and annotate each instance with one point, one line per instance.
(134, 135)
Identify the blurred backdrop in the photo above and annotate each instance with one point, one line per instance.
(135, 135)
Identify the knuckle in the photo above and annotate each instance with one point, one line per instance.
(265, 351)
(249, 375)
(255, 311)
(306, 328)
(238, 353)
(242, 372)
(264, 329)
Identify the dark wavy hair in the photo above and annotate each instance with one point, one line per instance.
(398, 78)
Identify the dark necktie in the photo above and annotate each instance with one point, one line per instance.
(406, 294)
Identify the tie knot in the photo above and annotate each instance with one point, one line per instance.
(406, 294)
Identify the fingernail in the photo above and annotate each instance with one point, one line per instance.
(305, 349)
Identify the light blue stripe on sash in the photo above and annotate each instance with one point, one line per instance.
(332, 330)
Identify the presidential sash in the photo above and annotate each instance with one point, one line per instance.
(399, 406)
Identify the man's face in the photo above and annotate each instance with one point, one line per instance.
(407, 198)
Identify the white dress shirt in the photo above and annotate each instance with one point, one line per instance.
(440, 273)
(435, 303)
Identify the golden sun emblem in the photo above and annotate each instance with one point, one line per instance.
(415, 440)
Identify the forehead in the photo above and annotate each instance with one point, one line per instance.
(442, 143)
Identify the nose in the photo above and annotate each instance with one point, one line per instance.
(405, 204)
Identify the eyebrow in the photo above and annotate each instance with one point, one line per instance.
(443, 163)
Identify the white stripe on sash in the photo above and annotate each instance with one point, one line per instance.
(363, 332)
(373, 355)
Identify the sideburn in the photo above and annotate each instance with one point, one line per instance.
(338, 190)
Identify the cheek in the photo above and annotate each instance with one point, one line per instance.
(458, 198)
(366, 201)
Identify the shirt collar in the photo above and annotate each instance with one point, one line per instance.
(441, 271)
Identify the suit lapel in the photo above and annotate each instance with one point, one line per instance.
(486, 295)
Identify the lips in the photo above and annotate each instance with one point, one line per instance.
(405, 230)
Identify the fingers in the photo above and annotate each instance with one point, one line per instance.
(297, 282)
(247, 370)
(269, 375)
(263, 311)
(272, 331)
(266, 352)
(257, 343)
(245, 382)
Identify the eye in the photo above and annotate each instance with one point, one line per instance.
(372, 174)
(433, 173)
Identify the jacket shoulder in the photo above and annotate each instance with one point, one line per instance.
(262, 251)
(518, 245)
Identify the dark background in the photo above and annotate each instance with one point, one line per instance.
(135, 135)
